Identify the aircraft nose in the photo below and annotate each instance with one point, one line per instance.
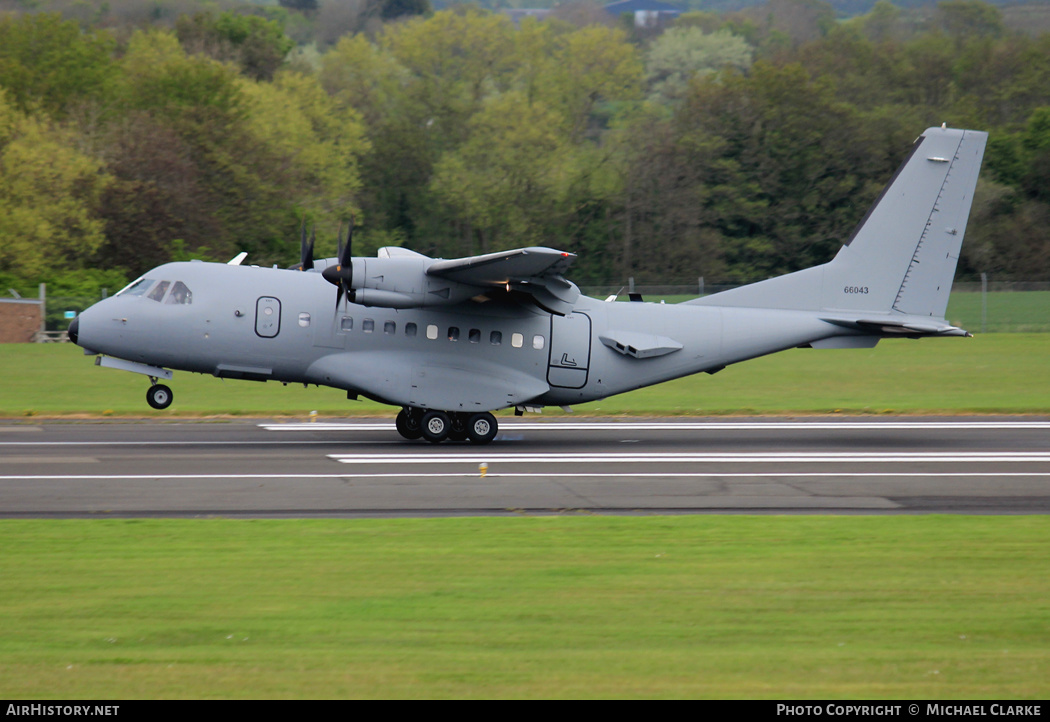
(74, 329)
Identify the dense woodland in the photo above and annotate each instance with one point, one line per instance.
(729, 145)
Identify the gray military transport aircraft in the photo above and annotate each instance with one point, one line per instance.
(452, 340)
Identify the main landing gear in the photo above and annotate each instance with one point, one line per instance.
(436, 426)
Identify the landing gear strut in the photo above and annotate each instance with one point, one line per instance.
(436, 426)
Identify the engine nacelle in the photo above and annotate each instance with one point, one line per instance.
(402, 282)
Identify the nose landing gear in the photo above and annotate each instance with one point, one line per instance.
(159, 396)
(436, 426)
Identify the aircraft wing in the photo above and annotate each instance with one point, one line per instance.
(536, 271)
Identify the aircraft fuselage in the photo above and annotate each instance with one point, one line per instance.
(273, 324)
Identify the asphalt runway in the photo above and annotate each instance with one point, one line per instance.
(361, 468)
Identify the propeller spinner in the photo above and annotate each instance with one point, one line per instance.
(341, 274)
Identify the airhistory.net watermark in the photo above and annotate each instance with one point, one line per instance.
(62, 710)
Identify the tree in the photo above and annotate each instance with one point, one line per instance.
(510, 176)
(303, 6)
(49, 196)
(317, 146)
(49, 63)
(392, 9)
(785, 170)
(683, 53)
(258, 46)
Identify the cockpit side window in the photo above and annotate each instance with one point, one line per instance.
(137, 288)
(158, 293)
(180, 294)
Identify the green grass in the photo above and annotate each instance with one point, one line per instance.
(993, 373)
(1022, 311)
(613, 607)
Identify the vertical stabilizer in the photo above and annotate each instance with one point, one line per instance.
(905, 251)
(902, 257)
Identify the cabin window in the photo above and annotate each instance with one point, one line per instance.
(432, 332)
(182, 295)
(389, 328)
(496, 338)
(537, 342)
(410, 329)
(517, 340)
(368, 325)
(304, 319)
(347, 323)
(475, 335)
(158, 293)
(453, 333)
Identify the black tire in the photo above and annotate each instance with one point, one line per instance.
(159, 396)
(482, 428)
(408, 425)
(458, 431)
(436, 426)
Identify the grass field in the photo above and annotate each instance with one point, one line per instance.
(702, 606)
(992, 373)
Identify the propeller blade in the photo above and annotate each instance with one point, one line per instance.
(308, 250)
(345, 252)
(341, 274)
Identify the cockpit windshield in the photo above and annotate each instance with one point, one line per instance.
(158, 291)
(136, 288)
(180, 294)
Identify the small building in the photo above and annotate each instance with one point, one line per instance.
(647, 13)
(517, 14)
(21, 320)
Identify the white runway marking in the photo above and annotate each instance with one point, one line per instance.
(195, 443)
(698, 458)
(508, 425)
(522, 475)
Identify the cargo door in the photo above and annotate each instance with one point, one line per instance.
(570, 351)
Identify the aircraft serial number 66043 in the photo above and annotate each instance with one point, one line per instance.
(452, 340)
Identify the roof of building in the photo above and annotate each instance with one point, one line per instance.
(633, 6)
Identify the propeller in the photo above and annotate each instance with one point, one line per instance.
(306, 250)
(341, 274)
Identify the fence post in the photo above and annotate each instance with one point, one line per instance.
(701, 285)
(984, 302)
(43, 308)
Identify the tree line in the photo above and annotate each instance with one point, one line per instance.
(728, 145)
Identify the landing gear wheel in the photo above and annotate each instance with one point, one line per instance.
(408, 425)
(159, 396)
(436, 425)
(482, 428)
(458, 431)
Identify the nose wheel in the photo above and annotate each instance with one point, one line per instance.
(159, 396)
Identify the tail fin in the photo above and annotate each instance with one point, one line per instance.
(901, 259)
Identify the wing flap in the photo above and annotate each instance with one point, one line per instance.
(497, 269)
